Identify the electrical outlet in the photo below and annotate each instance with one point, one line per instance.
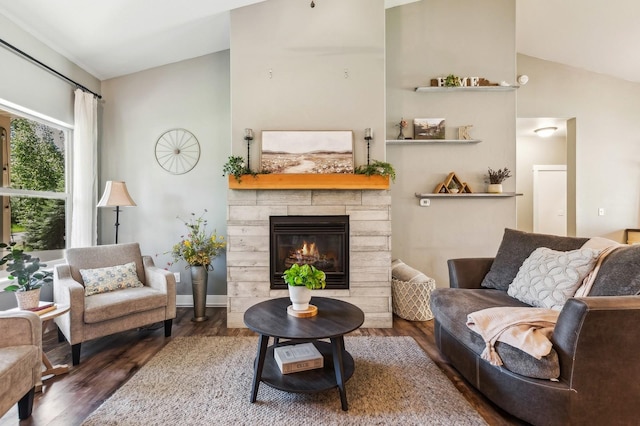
(425, 202)
(177, 276)
(601, 211)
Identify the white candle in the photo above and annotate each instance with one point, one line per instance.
(248, 133)
(368, 133)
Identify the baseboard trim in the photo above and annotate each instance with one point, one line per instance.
(213, 301)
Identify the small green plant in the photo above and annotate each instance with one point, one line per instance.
(498, 176)
(305, 275)
(235, 167)
(452, 81)
(377, 168)
(24, 268)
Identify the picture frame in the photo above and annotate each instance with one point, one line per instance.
(307, 151)
(428, 128)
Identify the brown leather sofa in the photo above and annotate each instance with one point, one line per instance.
(596, 342)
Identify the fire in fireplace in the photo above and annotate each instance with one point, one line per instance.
(321, 241)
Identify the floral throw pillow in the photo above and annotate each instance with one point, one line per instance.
(102, 280)
(548, 278)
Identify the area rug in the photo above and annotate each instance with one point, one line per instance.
(207, 380)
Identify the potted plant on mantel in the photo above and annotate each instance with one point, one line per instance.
(301, 280)
(26, 270)
(495, 179)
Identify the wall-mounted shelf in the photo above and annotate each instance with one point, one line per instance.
(471, 195)
(431, 141)
(467, 89)
(309, 181)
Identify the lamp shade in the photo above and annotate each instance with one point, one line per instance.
(115, 194)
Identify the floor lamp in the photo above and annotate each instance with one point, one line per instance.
(116, 195)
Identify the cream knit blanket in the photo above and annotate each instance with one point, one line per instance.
(528, 329)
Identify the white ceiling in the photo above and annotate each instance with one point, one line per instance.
(110, 38)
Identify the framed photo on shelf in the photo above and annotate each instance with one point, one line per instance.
(428, 128)
(307, 151)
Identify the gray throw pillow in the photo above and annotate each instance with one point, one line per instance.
(516, 247)
(619, 273)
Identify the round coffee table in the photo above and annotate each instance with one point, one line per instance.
(335, 318)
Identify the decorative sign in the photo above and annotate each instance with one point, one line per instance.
(453, 81)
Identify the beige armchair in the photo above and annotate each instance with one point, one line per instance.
(111, 312)
(20, 360)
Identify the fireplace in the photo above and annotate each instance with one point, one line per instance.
(321, 241)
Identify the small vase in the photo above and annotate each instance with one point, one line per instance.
(494, 188)
(401, 135)
(300, 297)
(28, 299)
(199, 279)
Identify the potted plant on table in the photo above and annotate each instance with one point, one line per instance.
(495, 179)
(198, 249)
(301, 279)
(25, 269)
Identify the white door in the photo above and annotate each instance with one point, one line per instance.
(550, 199)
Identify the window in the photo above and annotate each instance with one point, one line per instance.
(34, 188)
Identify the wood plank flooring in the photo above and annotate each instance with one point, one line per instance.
(109, 362)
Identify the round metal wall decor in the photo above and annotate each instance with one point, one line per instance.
(177, 151)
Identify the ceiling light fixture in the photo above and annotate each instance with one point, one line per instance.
(545, 132)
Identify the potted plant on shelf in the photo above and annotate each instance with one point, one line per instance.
(377, 168)
(301, 279)
(495, 179)
(26, 270)
(235, 167)
(198, 249)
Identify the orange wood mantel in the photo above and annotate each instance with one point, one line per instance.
(310, 181)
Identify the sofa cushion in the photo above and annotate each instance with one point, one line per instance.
(118, 304)
(110, 278)
(619, 273)
(547, 278)
(515, 248)
(450, 307)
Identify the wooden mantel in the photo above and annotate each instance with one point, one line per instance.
(309, 181)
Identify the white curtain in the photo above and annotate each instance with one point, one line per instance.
(84, 230)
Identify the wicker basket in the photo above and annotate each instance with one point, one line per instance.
(411, 299)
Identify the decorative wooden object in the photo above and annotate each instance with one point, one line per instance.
(312, 311)
(310, 181)
(444, 187)
(463, 132)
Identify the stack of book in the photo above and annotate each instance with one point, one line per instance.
(294, 358)
(43, 309)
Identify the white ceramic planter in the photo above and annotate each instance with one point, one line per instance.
(494, 188)
(300, 297)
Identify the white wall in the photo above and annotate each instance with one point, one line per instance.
(607, 148)
(138, 108)
(434, 38)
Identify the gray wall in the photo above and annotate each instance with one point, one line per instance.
(193, 95)
(607, 150)
(430, 39)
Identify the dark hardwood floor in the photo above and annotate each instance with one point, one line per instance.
(109, 362)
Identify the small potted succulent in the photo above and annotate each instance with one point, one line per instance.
(25, 269)
(495, 179)
(301, 279)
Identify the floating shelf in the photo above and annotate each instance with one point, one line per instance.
(471, 195)
(309, 181)
(431, 141)
(467, 89)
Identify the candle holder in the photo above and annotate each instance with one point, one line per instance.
(248, 136)
(368, 135)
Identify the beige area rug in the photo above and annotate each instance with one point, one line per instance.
(207, 381)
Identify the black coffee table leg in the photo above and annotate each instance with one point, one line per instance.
(337, 345)
(263, 342)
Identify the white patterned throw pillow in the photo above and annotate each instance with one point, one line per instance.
(102, 280)
(547, 278)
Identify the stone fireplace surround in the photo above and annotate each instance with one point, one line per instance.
(369, 214)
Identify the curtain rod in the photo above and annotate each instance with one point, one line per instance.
(48, 68)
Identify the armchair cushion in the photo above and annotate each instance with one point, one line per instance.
(619, 273)
(110, 278)
(118, 304)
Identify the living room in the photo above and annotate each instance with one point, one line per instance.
(348, 66)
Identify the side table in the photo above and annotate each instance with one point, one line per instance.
(50, 370)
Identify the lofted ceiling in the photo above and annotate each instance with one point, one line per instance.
(118, 37)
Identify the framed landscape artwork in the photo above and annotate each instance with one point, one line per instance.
(428, 128)
(307, 151)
